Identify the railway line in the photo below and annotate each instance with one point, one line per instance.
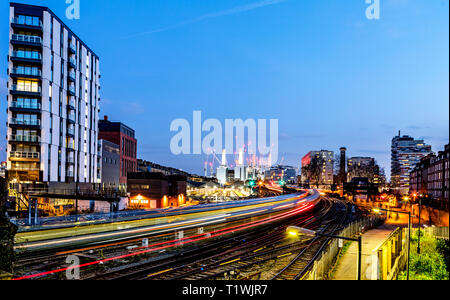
(235, 245)
(242, 251)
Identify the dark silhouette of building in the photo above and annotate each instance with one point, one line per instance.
(156, 190)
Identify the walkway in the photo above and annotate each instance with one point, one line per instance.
(371, 239)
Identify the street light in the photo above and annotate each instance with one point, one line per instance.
(296, 231)
(378, 210)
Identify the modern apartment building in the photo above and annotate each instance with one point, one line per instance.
(317, 168)
(53, 100)
(406, 152)
(122, 135)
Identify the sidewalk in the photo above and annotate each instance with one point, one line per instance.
(370, 240)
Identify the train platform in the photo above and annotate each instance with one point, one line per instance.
(371, 239)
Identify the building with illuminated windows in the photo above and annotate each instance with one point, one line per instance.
(406, 152)
(318, 169)
(53, 100)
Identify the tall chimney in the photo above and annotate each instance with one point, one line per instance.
(342, 172)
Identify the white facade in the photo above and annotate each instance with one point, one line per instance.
(64, 100)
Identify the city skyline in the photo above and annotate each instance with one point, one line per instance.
(372, 86)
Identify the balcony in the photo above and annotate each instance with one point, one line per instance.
(24, 168)
(71, 132)
(72, 48)
(26, 40)
(24, 23)
(26, 73)
(26, 57)
(25, 107)
(71, 118)
(71, 76)
(25, 138)
(71, 103)
(70, 159)
(26, 90)
(35, 124)
(71, 90)
(18, 155)
(72, 63)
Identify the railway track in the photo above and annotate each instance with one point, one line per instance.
(243, 250)
(301, 263)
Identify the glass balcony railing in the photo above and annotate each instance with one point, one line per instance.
(71, 102)
(25, 122)
(72, 48)
(28, 155)
(26, 88)
(70, 159)
(71, 89)
(26, 105)
(71, 131)
(73, 62)
(25, 138)
(24, 168)
(27, 55)
(71, 117)
(27, 71)
(72, 76)
(27, 38)
(27, 21)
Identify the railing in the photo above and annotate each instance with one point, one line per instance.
(72, 89)
(435, 232)
(71, 131)
(27, 55)
(25, 138)
(72, 61)
(22, 71)
(26, 105)
(25, 122)
(24, 22)
(72, 76)
(24, 168)
(73, 48)
(71, 160)
(27, 38)
(323, 264)
(25, 88)
(71, 117)
(30, 155)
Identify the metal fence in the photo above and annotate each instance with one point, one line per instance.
(436, 232)
(324, 263)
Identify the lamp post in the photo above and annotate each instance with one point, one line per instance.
(295, 231)
(377, 210)
(420, 213)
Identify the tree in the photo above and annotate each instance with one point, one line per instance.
(313, 171)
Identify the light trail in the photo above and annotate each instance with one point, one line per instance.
(179, 242)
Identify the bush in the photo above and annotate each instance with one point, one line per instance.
(431, 263)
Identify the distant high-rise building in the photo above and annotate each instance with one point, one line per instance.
(53, 100)
(406, 153)
(122, 135)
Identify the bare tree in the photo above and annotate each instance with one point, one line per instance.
(313, 171)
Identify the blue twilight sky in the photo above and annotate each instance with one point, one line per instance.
(331, 76)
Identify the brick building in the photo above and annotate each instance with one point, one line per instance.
(122, 135)
(431, 177)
